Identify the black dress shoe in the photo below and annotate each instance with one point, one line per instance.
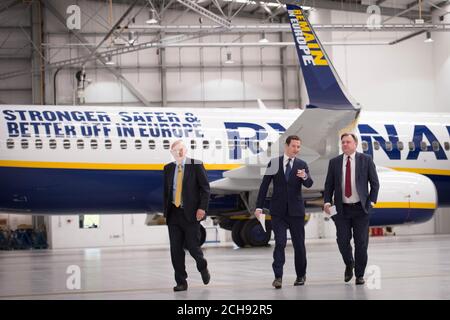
(359, 280)
(348, 273)
(180, 287)
(300, 281)
(277, 283)
(205, 276)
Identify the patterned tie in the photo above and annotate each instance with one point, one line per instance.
(179, 186)
(348, 179)
(288, 169)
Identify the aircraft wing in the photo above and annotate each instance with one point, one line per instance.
(330, 112)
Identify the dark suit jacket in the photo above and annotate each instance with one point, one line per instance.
(196, 191)
(287, 196)
(365, 174)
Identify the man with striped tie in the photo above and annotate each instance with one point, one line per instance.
(348, 179)
(186, 198)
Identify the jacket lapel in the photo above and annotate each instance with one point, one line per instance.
(293, 168)
(187, 171)
(357, 166)
(281, 167)
(171, 174)
(339, 169)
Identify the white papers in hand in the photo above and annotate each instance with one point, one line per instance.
(333, 211)
(262, 220)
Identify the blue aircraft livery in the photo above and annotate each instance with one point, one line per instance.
(322, 82)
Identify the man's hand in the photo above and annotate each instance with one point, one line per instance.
(326, 208)
(301, 174)
(200, 214)
(258, 212)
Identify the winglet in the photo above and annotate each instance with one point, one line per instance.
(325, 89)
(261, 104)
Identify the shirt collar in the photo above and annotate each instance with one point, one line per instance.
(182, 163)
(352, 156)
(285, 158)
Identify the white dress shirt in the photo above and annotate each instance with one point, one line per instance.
(354, 197)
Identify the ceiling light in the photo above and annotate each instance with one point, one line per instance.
(132, 37)
(263, 38)
(428, 39)
(153, 17)
(109, 60)
(229, 60)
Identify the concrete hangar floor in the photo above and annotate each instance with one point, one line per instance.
(410, 267)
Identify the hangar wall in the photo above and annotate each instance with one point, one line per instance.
(196, 78)
(15, 90)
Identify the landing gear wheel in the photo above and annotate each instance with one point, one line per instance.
(236, 233)
(253, 234)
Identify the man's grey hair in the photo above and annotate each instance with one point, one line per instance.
(177, 142)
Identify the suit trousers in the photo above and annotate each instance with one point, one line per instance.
(184, 234)
(353, 220)
(296, 226)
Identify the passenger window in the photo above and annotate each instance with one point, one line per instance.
(123, 144)
(24, 143)
(205, 144)
(193, 144)
(435, 145)
(38, 144)
(411, 146)
(10, 144)
(388, 146)
(269, 148)
(218, 144)
(447, 146)
(52, 144)
(376, 145)
(400, 145)
(80, 144)
(151, 144)
(108, 144)
(94, 144)
(138, 144)
(166, 144)
(66, 144)
(365, 146)
(423, 146)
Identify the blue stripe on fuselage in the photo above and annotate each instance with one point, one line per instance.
(389, 217)
(61, 191)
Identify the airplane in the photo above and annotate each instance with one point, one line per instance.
(57, 160)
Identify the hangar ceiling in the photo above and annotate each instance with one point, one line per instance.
(22, 30)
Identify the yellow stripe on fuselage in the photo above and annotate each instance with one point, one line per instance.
(437, 172)
(158, 166)
(405, 205)
(101, 166)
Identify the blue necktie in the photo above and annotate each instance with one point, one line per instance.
(288, 170)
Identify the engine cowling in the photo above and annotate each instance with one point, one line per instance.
(404, 197)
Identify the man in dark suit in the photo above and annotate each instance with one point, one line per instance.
(348, 178)
(186, 198)
(287, 209)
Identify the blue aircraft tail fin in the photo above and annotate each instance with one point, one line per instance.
(325, 89)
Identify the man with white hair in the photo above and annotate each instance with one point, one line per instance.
(186, 198)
